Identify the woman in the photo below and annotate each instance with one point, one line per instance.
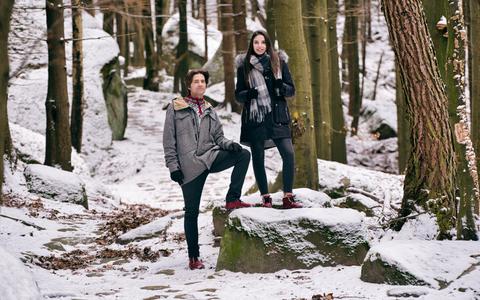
(263, 83)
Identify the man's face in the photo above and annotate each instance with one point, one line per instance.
(198, 86)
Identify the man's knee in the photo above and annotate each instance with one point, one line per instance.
(245, 154)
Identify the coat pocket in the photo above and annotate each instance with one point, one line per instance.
(281, 114)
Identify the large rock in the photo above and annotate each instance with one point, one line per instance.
(55, 184)
(115, 94)
(16, 281)
(381, 118)
(308, 197)
(268, 240)
(414, 262)
(147, 231)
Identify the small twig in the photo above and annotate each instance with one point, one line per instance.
(23, 222)
(369, 195)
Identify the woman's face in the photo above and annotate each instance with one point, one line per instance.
(259, 44)
(198, 86)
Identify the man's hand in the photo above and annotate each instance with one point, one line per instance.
(235, 147)
(177, 176)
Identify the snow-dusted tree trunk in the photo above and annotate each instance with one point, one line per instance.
(339, 149)
(150, 81)
(181, 65)
(474, 34)
(58, 148)
(430, 175)
(316, 35)
(161, 9)
(403, 124)
(467, 176)
(351, 56)
(138, 39)
(270, 11)
(5, 13)
(228, 48)
(240, 26)
(437, 27)
(76, 126)
(291, 38)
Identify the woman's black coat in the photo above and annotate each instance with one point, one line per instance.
(277, 123)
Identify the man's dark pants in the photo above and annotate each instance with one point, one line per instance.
(192, 191)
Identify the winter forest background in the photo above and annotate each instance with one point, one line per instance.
(386, 123)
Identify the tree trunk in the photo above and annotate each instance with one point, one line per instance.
(58, 142)
(353, 72)
(339, 148)
(121, 28)
(5, 13)
(128, 38)
(205, 29)
(108, 17)
(291, 38)
(89, 7)
(228, 49)
(240, 26)
(403, 135)
(193, 8)
(316, 35)
(430, 175)
(161, 8)
(181, 67)
(150, 81)
(271, 20)
(434, 10)
(138, 39)
(76, 127)
(475, 78)
(467, 178)
(255, 8)
(201, 9)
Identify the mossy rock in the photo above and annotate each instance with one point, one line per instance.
(116, 98)
(358, 202)
(267, 240)
(220, 216)
(376, 270)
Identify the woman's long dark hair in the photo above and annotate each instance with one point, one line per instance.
(274, 60)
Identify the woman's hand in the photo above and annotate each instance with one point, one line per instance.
(252, 94)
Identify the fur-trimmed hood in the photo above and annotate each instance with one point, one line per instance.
(240, 58)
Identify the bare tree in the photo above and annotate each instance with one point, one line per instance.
(430, 175)
(181, 66)
(5, 13)
(228, 49)
(76, 127)
(58, 142)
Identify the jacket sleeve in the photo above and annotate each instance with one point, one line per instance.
(169, 141)
(288, 89)
(218, 135)
(241, 89)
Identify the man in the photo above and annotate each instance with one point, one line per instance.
(195, 146)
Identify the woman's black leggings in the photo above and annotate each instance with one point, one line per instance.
(285, 148)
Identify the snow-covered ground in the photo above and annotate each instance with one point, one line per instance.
(56, 250)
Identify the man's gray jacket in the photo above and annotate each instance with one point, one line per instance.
(189, 145)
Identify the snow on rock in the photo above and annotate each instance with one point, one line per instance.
(412, 262)
(30, 148)
(55, 184)
(147, 231)
(381, 118)
(337, 179)
(308, 197)
(292, 239)
(16, 281)
(196, 39)
(358, 202)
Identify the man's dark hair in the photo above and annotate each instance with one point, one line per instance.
(193, 72)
